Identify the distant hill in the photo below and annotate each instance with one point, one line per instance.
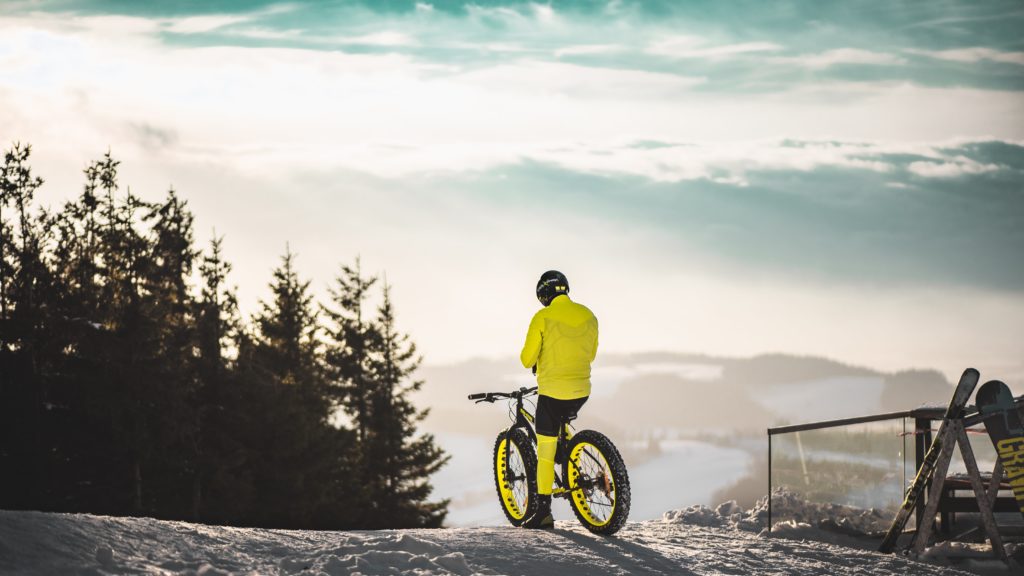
(690, 392)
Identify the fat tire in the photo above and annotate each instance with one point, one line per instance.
(528, 454)
(620, 477)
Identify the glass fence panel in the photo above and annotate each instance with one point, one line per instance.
(855, 472)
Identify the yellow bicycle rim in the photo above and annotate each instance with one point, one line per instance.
(596, 503)
(514, 503)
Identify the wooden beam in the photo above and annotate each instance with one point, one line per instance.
(938, 477)
(993, 486)
(984, 503)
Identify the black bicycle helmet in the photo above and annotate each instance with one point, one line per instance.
(552, 283)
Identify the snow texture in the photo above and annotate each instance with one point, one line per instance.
(788, 510)
(696, 541)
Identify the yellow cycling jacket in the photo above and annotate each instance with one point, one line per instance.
(562, 342)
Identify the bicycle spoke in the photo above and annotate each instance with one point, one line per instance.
(593, 480)
(593, 459)
(517, 478)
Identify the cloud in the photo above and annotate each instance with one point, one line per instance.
(153, 137)
(1006, 154)
(723, 163)
(499, 14)
(201, 24)
(130, 27)
(691, 47)
(589, 49)
(264, 33)
(207, 23)
(840, 56)
(578, 81)
(957, 166)
(736, 162)
(382, 38)
(544, 13)
(498, 48)
(971, 55)
(830, 224)
(75, 80)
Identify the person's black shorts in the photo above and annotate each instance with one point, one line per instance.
(552, 413)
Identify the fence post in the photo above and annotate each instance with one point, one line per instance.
(769, 481)
(922, 440)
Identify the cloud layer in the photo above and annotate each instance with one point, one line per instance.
(795, 160)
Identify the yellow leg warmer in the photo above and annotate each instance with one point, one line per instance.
(546, 446)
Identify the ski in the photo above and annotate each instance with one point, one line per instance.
(1004, 423)
(961, 395)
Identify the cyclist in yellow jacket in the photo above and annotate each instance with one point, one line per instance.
(560, 345)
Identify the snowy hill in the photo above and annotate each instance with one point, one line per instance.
(682, 544)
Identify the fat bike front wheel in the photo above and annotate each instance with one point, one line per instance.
(515, 475)
(597, 482)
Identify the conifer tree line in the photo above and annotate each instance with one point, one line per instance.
(130, 383)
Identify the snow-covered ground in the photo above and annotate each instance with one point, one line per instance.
(695, 541)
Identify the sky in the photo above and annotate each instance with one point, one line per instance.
(731, 178)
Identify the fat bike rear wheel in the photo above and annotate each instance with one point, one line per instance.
(598, 483)
(515, 475)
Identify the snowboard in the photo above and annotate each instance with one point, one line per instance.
(1004, 422)
(961, 395)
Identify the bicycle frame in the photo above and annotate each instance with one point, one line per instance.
(526, 420)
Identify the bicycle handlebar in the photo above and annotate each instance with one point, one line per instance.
(494, 396)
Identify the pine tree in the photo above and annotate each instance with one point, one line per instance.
(371, 366)
(401, 461)
(7, 271)
(17, 189)
(217, 314)
(350, 338)
(223, 490)
(128, 345)
(292, 476)
(21, 257)
(173, 386)
(288, 329)
(23, 328)
(93, 448)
